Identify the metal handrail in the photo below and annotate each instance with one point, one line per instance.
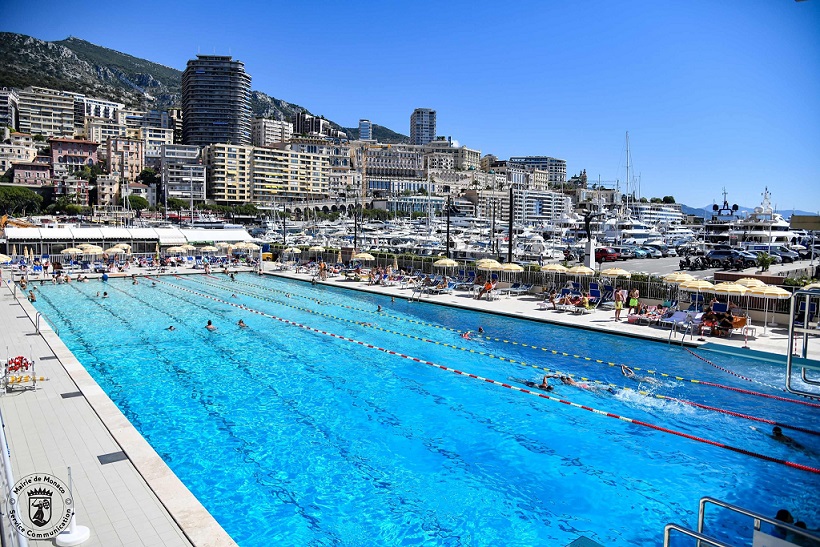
(758, 518)
(807, 296)
(50, 324)
(702, 539)
(8, 479)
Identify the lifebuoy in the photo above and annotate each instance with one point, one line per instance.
(18, 363)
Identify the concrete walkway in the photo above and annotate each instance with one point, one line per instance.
(124, 492)
(775, 340)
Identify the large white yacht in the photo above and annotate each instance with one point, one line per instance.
(763, 225)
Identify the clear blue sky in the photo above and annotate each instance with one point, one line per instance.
(713, 93)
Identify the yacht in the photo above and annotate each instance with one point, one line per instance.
(625, 229)
(763, 225)
(718, 228)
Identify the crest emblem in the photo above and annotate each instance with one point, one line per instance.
(39, 506)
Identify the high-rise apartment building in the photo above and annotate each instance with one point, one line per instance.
(556, 168)
(229, 173)
(9, 108)
(183, 174)
(422, 126)
(265, 131)
(216, 103)
(365, 130)
(46, 112)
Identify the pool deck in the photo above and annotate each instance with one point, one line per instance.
(68, 421)
(136, 499)
(775, 341)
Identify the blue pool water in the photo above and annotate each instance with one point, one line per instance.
(289, 436)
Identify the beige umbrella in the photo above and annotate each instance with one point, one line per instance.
(678, 278)
(125, 246)
(488, 265)
(156, 251)
(364, 256)
(616, 272)
(511, 267)
(291, 250)
(555, 268)
(395, 263)
(208, 249)
(445, 263)
(769, 292)
(14, 250)
(730, 289)
(71, 251)
(115, 251)
(581, 270)
(339, 257)
(187, 247)
(93, 249)
(5, 258)
(251, 246)
(316, 248)
(223, 244)
(750, 282)
(696, 285)
(810, 286)
(178, 249)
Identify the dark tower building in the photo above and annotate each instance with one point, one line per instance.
(216, 106)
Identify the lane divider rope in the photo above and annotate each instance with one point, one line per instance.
(733, 373)
(738, 450)
(509, 360)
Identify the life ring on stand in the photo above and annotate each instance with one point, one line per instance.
(13, 364)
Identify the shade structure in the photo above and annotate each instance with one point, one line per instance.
(749, 282)
(677, 278)
(208, 249)
(223, 244)
(93, 250)
(116, 251)
(769, 292)
(71, 251)
(556, 268)
(5, 258)
(125, 246)
(580, 270)
(616, 272)
(291, 250)
(316, 248)
(248, 246)
(488, 265)
(696, 285)
(178, 249)
(810, 286)
(445, 263)
(187, 247)
(730, 289)
(511, 267)
(363, 256)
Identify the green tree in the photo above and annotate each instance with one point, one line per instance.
(16, 200)
(764, 260)
(655, 200)
(137, 203)
(176, 204)
(668, 199)
(149, 176)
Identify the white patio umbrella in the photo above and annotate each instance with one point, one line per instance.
(115, 251)
(125, 246)
(696, 285)
(677, 278)
(488, 264)
(175, 250)
(616, 272)
(750, 282)
(223, 244)
(445, 263)
(4, 258)
(71, 251)
(293, 250)
(208, 249)
(769, 292)
(364, 256)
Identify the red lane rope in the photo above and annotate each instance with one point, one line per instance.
(787, 463)
(705, 360)
(758, 394)
(739, 415)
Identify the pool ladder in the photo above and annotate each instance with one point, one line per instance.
(803, 332)
(759, 538)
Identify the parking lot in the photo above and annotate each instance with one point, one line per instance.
(663, 266)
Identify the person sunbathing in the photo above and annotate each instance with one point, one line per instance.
(570, 300)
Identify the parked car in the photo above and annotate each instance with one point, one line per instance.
(606, 254)
(651, 252)
(625, 252)
(775, 250)
(728, 258)
(639, 253)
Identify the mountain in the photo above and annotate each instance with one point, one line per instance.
(82, 67)
(380, 133)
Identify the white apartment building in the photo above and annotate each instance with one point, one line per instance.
(9, 108)
(422, 126)
(183, 174)
(108, 190)
(656, 214)
(153, 139)
(463, 157)
(100, 130)
(95, 108)
(342, 176)
(265, 131)
(46, 112)
(21, 149)
(556, 168)
(540, 206)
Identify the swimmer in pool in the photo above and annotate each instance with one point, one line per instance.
(242, 324)
(210, 326)
(629, 373)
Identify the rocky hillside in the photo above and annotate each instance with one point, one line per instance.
(82, 67)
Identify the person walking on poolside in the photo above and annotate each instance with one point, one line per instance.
(619, 303)
(634, 300)
(210, 326)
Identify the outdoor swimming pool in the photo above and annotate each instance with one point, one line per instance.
(291, 436)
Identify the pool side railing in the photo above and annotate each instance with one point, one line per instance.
(758, 519)
(9, 535)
